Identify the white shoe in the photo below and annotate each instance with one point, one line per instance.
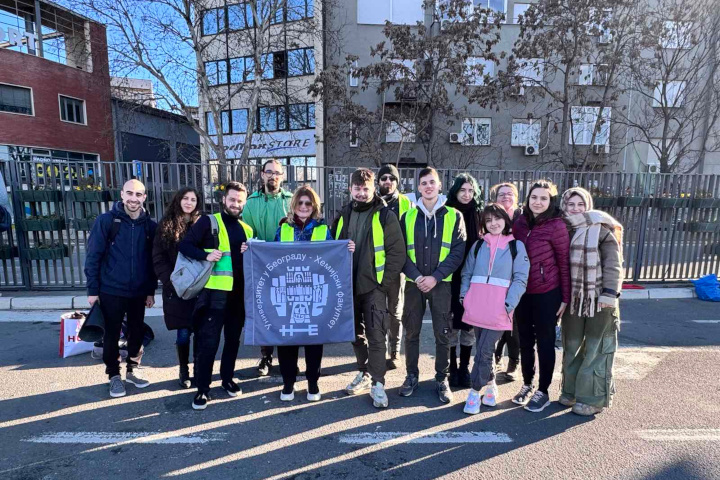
(491, 392)
(287, 397)
(314, 397)
(472, 404)
(380, 399)
(360, 383)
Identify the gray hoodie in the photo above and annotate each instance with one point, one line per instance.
(428, 240)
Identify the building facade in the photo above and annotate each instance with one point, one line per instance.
(54, 84)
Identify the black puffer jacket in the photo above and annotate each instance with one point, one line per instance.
(177, 312)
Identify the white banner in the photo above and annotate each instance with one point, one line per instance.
(296, 143)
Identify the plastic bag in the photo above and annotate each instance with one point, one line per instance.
(707, 288)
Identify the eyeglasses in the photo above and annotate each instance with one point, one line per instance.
(386, 178)
(506, 194)
(304, 203)
(271, 174)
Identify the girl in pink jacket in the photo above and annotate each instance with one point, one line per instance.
(493, 280)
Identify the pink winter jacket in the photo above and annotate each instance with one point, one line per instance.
(492, 283)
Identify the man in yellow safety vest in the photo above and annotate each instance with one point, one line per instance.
(388, 179)
(221, 303)
(378, 259)
(435, 239)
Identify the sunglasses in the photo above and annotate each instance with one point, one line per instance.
(385, 178)
(304, 203)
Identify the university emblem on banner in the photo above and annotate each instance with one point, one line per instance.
(298, 293)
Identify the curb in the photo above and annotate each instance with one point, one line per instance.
(80, 302)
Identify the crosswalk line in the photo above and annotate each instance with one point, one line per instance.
(410, 437)
(103, 438)
(681, 435)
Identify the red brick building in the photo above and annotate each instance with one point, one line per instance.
(54, 85)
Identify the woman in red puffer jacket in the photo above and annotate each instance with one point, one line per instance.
(545, 235)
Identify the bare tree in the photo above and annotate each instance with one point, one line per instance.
(214, 52)
(674, 82)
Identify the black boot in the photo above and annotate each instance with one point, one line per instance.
(183, 353)
(463, 370)
(453, 367)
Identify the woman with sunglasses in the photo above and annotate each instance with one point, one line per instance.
(303, 224)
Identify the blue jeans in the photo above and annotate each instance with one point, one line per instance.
(183, 336)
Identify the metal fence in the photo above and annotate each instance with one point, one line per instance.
(671, 222)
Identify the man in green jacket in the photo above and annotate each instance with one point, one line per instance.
(263, 211)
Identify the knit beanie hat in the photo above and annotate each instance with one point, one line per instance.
(584, 194)
(389, 169)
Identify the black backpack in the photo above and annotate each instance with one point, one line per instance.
(512, 244)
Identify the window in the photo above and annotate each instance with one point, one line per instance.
(354, 80)
(353, 135)
(400, 131)
(583, 120)
(301, 62)
(237, 70)
(498, 6)
(240, 16)
(399, 12)
(525, 132)
(213, 21)
(518, 10)
(233, 121)
(670, 94)
(265, 7)
(478, 69)
(16, 100)
(217, 72)
(593, 74)
(267, 64)
(599, 24)
(72, 110)
(302, 116)
(676, 35)
(299, 9)
(476, 131)
(404, 69)
(531, 71)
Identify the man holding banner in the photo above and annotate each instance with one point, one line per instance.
(435, 236)
(220, 305)
(377, 262)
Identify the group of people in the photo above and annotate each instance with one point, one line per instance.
(494, 276)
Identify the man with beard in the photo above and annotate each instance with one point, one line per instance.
(221, 303)
(378, 259)
(263, 212)
(120, 275)
(435, 238)
(388, 178)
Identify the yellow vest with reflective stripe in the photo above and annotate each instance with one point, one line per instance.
(378, 244)
(449, 221)
(287, 233)
(404, 205)
(221, 277)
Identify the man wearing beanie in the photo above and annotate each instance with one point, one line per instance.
(388, 180)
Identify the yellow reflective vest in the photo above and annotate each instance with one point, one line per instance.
(287, 233)
(449, 221)
(221, 277)
(378, 244)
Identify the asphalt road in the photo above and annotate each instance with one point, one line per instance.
(57, 421)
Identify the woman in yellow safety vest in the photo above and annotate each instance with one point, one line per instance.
(303, 224)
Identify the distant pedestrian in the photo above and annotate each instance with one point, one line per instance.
(465, 196)
(542, 229)
(506, 194)
(120, 275)
(262, 213)
(590, 324)
(181, 213)
(493, 281)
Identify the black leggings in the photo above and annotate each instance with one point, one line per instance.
(536, 321)
(288, 359)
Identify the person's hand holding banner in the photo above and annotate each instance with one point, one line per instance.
(298, 293)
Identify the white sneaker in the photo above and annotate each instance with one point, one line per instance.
(491, 392)
(380, 399)
(313, 397)
(287, 397)
(360, 383)
(472, 404)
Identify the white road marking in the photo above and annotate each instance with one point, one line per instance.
(412, 437)
(102, 438)
(705, 321)
(635, 365)
(681, 435)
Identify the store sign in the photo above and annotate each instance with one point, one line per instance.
(297, 143)
(14, 38)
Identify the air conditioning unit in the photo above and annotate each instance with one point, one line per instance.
(598, 149)
(518, 91)
(531, 150)
(457, 137)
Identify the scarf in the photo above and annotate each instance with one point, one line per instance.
(585, 267)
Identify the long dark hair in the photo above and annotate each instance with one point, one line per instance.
(173, 224)
(553, 210)
(461, 180)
